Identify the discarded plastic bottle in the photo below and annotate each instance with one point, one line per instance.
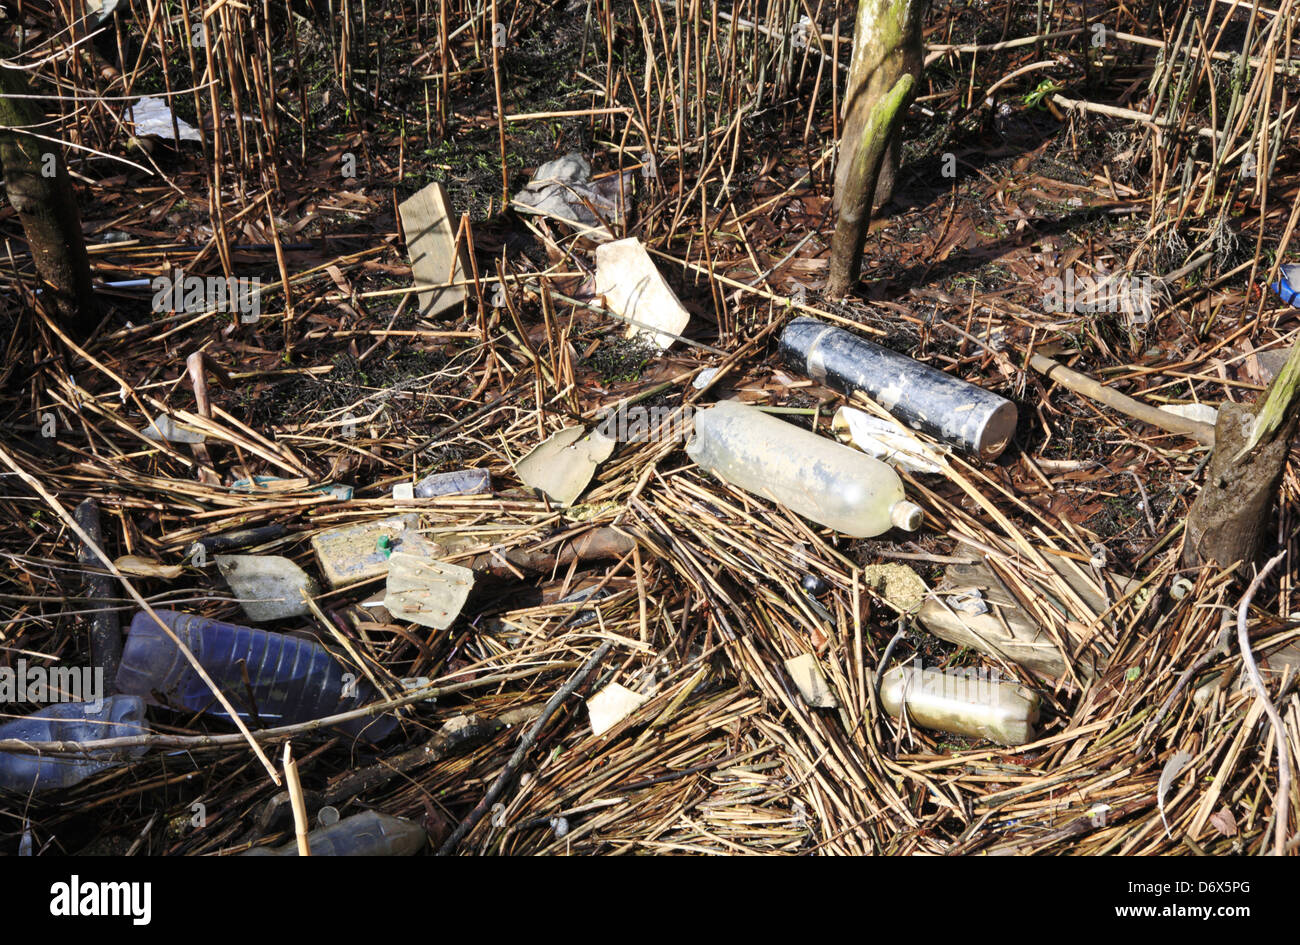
(457, 482)
(290, 679)
(828, 482)
(366, 834)
(116, 717)
(946, 407)
(963, 703)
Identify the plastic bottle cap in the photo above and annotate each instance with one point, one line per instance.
(906, 515)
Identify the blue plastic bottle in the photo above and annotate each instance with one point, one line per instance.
(116, 717)
(290, 679)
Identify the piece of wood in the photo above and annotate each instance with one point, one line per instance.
(1083, 384)
(431, 245)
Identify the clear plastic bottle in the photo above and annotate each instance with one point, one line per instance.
(963, 702)
(290, 679)
(116, 717)
(457, 482)
(367, 834)
(828, 482)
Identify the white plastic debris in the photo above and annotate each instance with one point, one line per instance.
(562, 465)
(166, 429)
(404, 490)
(563, 190)
(704, 378)
(612, 705)
(424, 591)
(881, 439)
(101, 9)
(1202, 412)
(269, 587)
(808, 678)
(969, 602)
(634, 290)
(152, 117)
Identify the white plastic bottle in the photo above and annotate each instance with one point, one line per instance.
(828, 482)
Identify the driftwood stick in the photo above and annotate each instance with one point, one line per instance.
(1087, 386)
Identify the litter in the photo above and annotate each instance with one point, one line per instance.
(827, 482)
(1287, 287)
(562, 465)
(1202, 412)
(987, 617)
(152, 118)
(431, 245)
(168, 430)
(880, 439)
(634, 290)
(612, 705)
(457, 482)
(810, 682)
(563, 190)
(288, 679)
(268, 587)
(430, 593)
(367, 834)
(962, 703)
(115, 717)
(359, 552)
(948, 408)
(275, 484)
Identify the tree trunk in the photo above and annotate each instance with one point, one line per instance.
(1229, 521)
(887, 48)
(41, 194)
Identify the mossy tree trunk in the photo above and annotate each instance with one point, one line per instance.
(40, 192)
(886, 64)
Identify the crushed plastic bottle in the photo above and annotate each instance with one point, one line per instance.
(828, 482)
(292, 679)
(367, 834)
(116, 717)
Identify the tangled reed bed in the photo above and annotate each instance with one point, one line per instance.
(707, 599)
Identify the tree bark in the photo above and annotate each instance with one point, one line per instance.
(887, 47)
(46, 208)
(1229, 521)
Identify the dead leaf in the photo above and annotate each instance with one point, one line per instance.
(136, 566)
(1224, 822)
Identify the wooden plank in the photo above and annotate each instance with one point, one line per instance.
(431, 246)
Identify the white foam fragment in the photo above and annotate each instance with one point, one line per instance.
(634, 289)
(612, 705)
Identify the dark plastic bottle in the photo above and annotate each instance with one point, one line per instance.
(367, 834)
(290, 679)
(116, 717)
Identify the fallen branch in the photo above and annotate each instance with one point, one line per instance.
(1083, 384)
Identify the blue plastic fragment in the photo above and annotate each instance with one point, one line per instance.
(1287, 287)
(341, 492)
